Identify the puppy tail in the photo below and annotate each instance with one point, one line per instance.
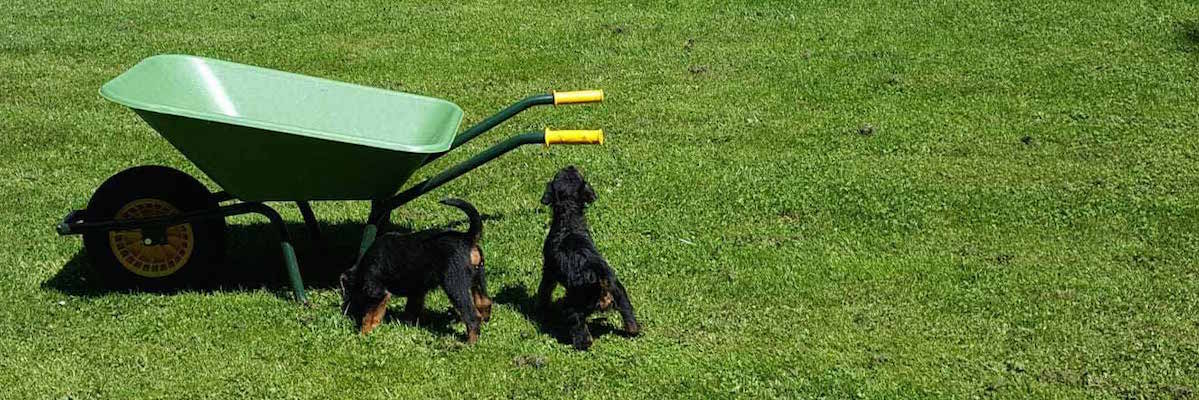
(476, 221)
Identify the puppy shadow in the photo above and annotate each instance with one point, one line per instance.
(436, 322)
(551, 322)
(1187, 33)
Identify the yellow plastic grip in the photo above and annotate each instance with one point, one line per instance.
(578, 96)
(574, 136)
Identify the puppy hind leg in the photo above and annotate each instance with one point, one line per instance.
(414, 307)
(478, 292)
(482, 305)
(545, 291)
(457, 288)
(621, 298)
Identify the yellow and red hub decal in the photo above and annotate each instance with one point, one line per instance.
(153, 260)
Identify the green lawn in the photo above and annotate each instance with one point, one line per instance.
(966, 199)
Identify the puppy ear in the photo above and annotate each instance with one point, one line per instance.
(548, 196)
(587, 193)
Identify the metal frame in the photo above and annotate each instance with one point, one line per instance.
(75, 222)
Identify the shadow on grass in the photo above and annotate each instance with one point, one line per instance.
(253, 261)
(518, 298)
(436, 322)
(1188, 36)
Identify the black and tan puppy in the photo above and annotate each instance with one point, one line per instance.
(411, 265)
(571, 259)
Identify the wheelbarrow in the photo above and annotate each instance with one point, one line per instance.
(265, 135)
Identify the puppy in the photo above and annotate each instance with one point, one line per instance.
(571, 259)
(410, 265)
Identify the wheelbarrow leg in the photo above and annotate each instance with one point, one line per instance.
(314, 230)
(380, 215)
(368, 237)
(293, 272)
(289, 254)
(379, 218)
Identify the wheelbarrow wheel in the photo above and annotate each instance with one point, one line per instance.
(150, 259)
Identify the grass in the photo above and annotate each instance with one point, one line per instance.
(964, 199)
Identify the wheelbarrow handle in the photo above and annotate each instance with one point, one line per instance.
(574, 136)
(68, 223)
(574, 97)
(578, 97)
(546, 137)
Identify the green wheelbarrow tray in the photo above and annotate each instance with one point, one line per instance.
(266, 135)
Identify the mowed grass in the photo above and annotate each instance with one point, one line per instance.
(835, 199)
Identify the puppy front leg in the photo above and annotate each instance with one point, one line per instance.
(375, 310)
(414, 307)
(457, 288)
(576, 317)
(545, 291)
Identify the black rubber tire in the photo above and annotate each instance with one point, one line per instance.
(168, 185)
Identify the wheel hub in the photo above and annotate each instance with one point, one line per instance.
(152, 254)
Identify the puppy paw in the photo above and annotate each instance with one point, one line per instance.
(581, 343)
(409, 318)
(632, 328)
(472, 336)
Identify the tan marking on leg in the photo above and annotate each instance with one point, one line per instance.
(476, 256)
(472, 336)
(374, 316)
(605, 301)
(482, 306)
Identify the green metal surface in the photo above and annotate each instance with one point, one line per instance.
(260, 165)
(293, 272)
(494, 120)
(449, 174)
(368, 238)
(271, 135)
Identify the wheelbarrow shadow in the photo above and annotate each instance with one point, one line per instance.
(253, 261)
(552, 322)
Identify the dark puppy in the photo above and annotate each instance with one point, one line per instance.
(410, 265)
(572, 260)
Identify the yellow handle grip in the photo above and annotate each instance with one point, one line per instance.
(574, 136)
(578, 97)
